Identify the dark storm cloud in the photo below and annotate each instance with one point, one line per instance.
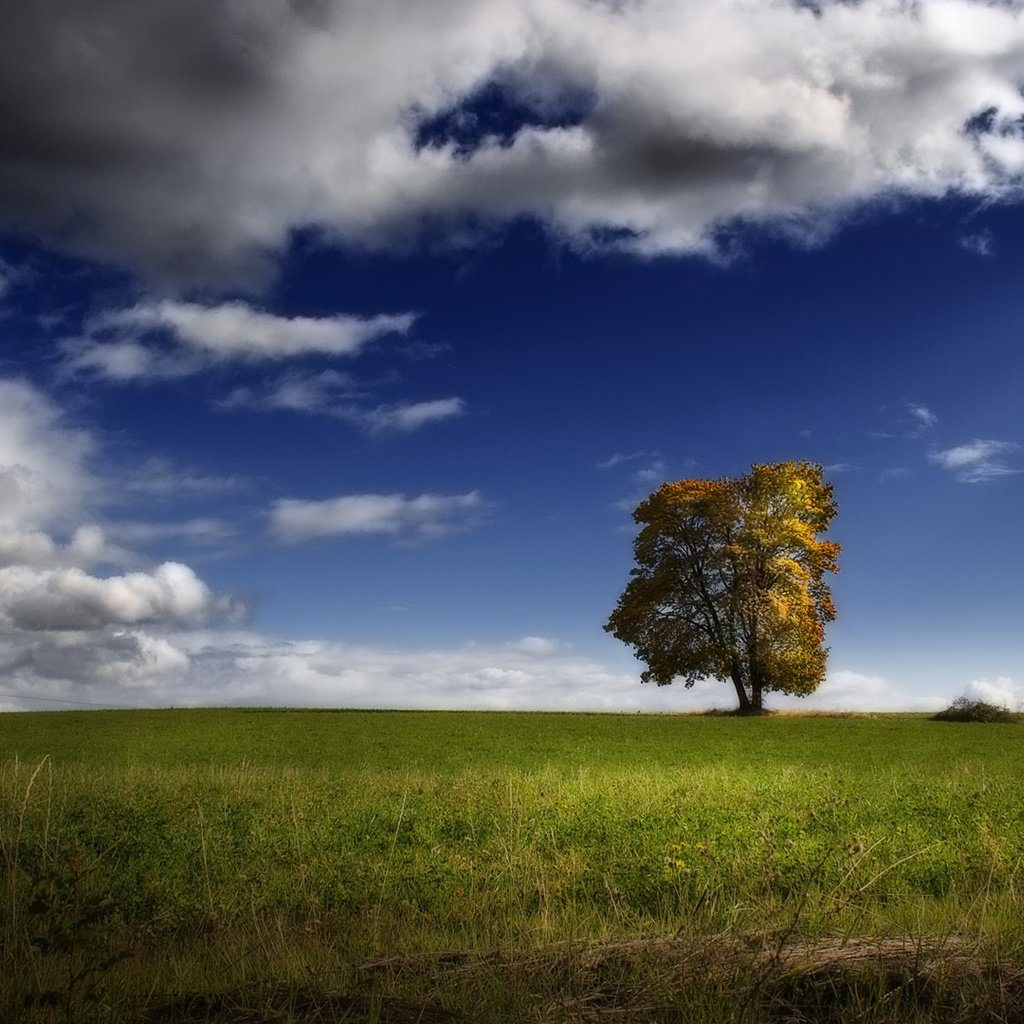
(110, 112)
(187, 139)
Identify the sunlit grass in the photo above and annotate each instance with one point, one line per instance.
(245, 849)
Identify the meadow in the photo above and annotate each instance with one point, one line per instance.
(267, 865)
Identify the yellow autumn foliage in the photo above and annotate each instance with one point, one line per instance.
(729, 581)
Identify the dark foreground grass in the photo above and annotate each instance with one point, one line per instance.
(236, 865)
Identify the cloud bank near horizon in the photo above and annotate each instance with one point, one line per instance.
(84, 620)
(211, 668)
(74, 606)
(647, 127)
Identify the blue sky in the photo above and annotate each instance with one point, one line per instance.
(339, 341)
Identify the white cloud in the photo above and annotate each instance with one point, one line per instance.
(206, 667)
(130, 344)
(235, 330)
(136, 659)
(44, 479)
(1001, 692)
(124, 360)
(199, 530)
(648, 470)
(65, 630)
(71, 599)
(32, 547)
(47, 486)
(424, 517)
(980, 244)
(977, 461)
(652, 473)
(847, 690)
(405, 417)
(651, 126)
(539, 645)
(296, 391)
(921, 416)
(908, 420)
(77, 667)
(340, 395)
(159, 477)
(87, 545)
(620, 457)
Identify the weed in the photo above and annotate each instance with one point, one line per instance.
(68, 929)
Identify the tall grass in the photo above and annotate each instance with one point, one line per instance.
(227, 866)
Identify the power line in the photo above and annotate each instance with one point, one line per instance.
(68, 700)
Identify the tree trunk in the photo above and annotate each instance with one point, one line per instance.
(741, 690)
(755, 695)
(757, 685)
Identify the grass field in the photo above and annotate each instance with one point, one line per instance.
(251, 865)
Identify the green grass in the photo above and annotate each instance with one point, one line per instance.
(275, 856)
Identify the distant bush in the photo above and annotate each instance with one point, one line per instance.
(966, 709)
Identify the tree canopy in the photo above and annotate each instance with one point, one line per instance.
(730, 584)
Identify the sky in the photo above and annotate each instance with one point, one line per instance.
(338, 340)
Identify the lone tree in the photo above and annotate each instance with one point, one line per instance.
(729, 582)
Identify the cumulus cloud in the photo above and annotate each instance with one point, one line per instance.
(202, 667)
(138, 659)
(131, 344)
(977, 461)
(424, 517)
(47, 486)
(66, 628)
(71, 599)
(1001, 692)
(90, 668)
(44, 477)
(88, 544)
(190, 140)
(539, 645)
(848, 690)
(207, 667)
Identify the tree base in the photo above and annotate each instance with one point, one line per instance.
(738, 712)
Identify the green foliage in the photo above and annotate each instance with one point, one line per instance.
(729, 581)
(68, 927)
(967, 709)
